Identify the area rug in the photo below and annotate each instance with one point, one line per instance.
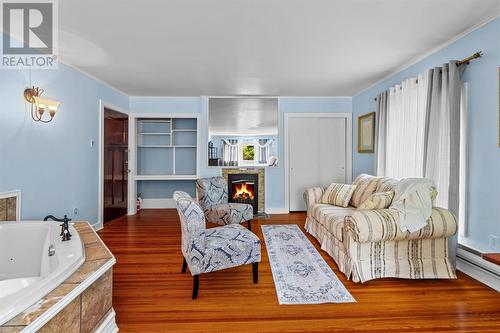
(300, 274)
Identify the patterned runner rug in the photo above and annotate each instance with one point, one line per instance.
(300, 275)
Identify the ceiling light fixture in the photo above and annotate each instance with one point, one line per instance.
(40, 106)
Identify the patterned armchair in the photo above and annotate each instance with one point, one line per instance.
(214, 249)
(213, 197)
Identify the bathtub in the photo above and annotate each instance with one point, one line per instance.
(27, 271)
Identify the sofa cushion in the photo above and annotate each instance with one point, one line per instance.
(370, 226)
(365, 186)
(378, 200)
(338, 194)
(331, 217)
(229, 213)
(386, 184)
(230, 246)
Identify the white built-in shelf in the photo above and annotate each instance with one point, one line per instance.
(166, 159)
(155, 146)
(143, 133)
(147, 121)
(166, 146)
(166, 177)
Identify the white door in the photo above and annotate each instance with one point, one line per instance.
(317, 155)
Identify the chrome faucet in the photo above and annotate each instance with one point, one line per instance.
(52, 250)
(65, 234)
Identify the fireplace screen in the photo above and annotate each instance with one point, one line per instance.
(243, 188)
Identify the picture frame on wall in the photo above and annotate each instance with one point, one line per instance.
(366, 133)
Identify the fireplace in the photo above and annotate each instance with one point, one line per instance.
(244, 188)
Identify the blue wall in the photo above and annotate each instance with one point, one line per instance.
(55, 167)
(53, 164)
(275, 177)
(484, 153)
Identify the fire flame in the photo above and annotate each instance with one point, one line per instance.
(243, 192)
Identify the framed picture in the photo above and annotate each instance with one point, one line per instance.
(366, 133)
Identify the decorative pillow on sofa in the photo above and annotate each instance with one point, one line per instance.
(365, 186)
(378, 200)
(386, 184)
(338, 194)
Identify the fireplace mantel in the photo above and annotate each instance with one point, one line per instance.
(262, 185)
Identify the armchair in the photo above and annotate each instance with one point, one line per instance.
(209, 250)
(213, 198)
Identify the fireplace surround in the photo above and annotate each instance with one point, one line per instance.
(255, 176)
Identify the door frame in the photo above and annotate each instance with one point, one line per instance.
(348, 140)
(130, 200)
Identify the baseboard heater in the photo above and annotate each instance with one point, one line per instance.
(471, 263)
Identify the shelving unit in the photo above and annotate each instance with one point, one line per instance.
(166, 159)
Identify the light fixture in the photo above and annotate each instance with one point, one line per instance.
(40, 106)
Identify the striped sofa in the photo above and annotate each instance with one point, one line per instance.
(369, 244)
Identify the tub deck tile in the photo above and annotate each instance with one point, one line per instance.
(86, 269)
(96, 251)
(11, 329)
(96, 255)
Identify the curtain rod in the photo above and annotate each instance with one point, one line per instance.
(465, 61)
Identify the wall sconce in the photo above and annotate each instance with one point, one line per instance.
(40, 106)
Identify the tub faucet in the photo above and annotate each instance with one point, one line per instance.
(65, 234)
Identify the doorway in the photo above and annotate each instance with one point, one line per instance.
(115, 168)
(318, 153)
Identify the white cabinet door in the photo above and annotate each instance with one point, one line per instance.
(317, 155)
(332, 151)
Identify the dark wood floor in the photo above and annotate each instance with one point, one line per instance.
(151, 295)
(492, 257)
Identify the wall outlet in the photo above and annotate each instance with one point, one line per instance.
(75, 211)
(494, 242)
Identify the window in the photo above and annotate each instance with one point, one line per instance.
(248, 152)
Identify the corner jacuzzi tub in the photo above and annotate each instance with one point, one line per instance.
(27, 271)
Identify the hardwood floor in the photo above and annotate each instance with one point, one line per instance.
(150, 294)
(492, 257)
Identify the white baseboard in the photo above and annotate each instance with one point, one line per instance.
(478, 268)
(277, 211)
(108, 325)
(158, 203)
(97, 226)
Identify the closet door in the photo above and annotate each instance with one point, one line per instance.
(303, 153)
(317, 155)
(332, 151)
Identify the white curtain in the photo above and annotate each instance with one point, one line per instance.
(381, 133)
(263, 151)
(230, 155)
(464, 115)
(424, 136)
(443, 138)
(405, 130)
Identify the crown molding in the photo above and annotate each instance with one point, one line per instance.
(434, 50)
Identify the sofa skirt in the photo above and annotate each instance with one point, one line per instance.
(407, 259)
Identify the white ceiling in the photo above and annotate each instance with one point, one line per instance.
(243, 116)
(256, 47)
